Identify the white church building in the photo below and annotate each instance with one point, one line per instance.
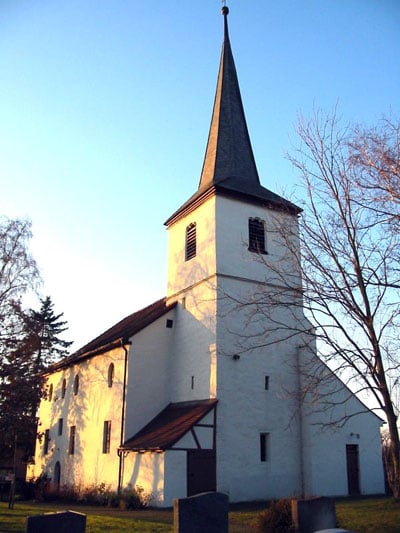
(202, 390)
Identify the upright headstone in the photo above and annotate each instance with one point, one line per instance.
(61, 522)
(333, 530)
(313, 515)
(205, 512)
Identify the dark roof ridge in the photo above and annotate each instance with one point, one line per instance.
(119, 333)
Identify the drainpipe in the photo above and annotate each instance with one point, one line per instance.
(300, 418)
(121, 455)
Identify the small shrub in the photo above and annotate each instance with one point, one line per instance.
(276, 519)
(96, 495)
(41, 487)
(133, 498)
(27, 490)
(113, 500)
(102, 495)
(66, 493)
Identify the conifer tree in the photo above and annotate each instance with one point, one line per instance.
(46, 328)
(35, 346)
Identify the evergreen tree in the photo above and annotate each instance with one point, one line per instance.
(18, 275)
(36, 343)
(46, 328)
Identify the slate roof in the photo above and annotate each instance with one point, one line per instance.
(170, 425)
(119, 333)
(229, 166)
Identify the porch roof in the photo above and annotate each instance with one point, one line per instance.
(169, 425)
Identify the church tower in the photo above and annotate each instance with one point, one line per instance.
(227, 254)
(229, 178)
(206, 389)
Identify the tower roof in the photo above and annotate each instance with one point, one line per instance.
(229, 167)
(229, 153)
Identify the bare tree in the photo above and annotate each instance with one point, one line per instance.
(18, 269)
(375, 154)
(350, 256)
(18, 275)
(30, 340)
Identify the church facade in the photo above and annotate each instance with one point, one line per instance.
(209, 387)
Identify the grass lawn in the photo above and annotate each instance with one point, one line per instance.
(367, 515)
(98, 519)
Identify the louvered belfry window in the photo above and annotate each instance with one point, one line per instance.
(190, 249)
(256, 236)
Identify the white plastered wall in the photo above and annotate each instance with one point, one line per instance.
(249, 349)
(146, 471)
(149, 373)
(192, 284)
(329, 425)
(95, 403)
(246, 409)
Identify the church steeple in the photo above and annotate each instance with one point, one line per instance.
(229, 153)
(229, 167)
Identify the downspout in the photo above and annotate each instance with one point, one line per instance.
(300, 418)
(121, 454)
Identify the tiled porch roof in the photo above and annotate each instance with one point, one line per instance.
(169, 426)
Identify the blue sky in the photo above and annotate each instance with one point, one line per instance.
(105, 107)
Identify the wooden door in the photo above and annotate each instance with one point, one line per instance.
(201, 471)
(353, 472)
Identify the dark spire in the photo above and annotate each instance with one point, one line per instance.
(229, 167)
(229, 153)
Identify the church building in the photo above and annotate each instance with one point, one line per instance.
(207, 389)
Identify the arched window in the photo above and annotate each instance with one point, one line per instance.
(51, 392)
(76, 384)
(110, 378)
(63, 388)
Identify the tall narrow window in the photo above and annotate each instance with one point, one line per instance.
(71, 447)
(63, 388)
(256, 236)
(46, 442)
(190, 249)
(266, 382)
(60, 426)
(106, 436)
(57, 475)
(76, 384)
(51, 392)
(110, 378)
(264, 447)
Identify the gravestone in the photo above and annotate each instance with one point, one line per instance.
(205, 512)
(61, 522)
(334, 530)
(313, 515)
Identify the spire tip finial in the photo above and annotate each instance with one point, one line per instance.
(225, 8)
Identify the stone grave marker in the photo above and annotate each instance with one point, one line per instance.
(60, 522)
(205, 512)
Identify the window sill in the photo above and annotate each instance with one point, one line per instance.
(257, 251)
